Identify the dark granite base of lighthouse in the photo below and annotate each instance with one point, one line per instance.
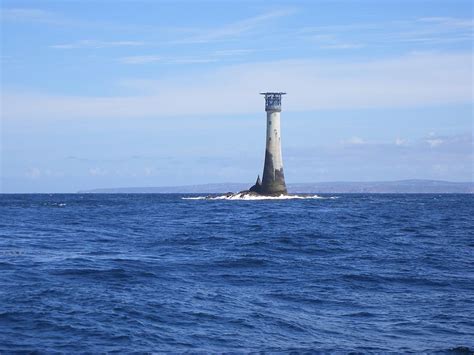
(258, 189)
(273, 183)
(270, 187)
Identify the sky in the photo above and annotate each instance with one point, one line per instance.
(144, 93)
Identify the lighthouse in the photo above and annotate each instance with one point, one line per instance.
(273, 179)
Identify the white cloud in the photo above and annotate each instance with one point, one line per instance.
(27, 14)
(33, 173)
(149, 171)
(449, 22)
(97, 172)
(434, 142)
(342, 46)
(406, 81)
(39, 16)
(355, 141)
(90, 43)
(141, 59)
(331, 41)
(400, 141)
(190, 60)
(449, 143)
(211, 58)
(232, 52)
(430, 30)
(237, 28)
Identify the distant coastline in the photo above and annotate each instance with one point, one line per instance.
(400, 186)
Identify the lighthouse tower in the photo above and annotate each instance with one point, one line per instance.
(273, 180)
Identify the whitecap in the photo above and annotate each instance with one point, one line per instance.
(251, 197)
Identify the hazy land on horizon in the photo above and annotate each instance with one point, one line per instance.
(401, 186)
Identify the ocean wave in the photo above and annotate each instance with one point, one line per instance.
(54, 204)
(121, 272)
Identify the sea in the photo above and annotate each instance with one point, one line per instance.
(155, 273)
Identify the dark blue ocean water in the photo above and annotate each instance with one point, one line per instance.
(151, 272)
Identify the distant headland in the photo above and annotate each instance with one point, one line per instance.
(400, 186)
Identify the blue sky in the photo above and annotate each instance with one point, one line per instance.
(155, 93)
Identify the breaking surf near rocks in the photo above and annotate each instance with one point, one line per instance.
(250, 196)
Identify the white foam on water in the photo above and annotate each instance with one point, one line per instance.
(247, 197)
